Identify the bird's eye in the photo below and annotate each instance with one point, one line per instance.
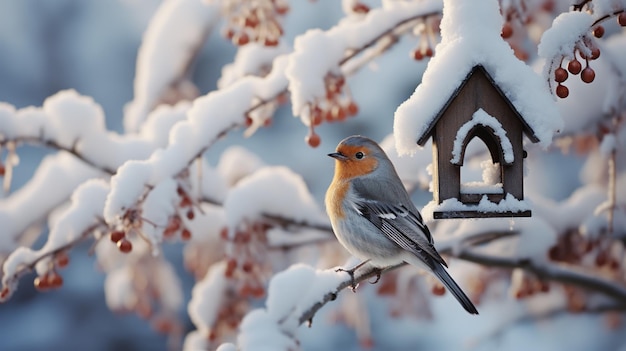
(359, 155)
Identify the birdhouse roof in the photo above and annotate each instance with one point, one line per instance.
(530, 133)
(470, 32)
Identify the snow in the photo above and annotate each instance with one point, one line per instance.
(608, 144)
(176, 31)
(483, 118)
(470, 36)
(118, 289)
(206, 298)
(251, 59)
(260, 332)
(290, 293)
(160, 204)
(196, 341)
(481, 188)
(562, 38)
(508, 204)
(208, 118)
(236, 162)
(57, 177)
(272, 191)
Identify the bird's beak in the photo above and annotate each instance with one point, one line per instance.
(338, 156)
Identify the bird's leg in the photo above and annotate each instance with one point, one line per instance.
(351, 272)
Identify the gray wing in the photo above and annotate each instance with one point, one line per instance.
(401, 225)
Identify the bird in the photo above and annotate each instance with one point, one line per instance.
(373, 217)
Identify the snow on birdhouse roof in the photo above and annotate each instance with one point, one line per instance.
(470, 36)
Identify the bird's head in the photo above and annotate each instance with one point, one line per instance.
(357, 156)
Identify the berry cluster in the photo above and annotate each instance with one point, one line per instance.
(337, 106)
(246, 271)
(524, 284)
(131, 222)
(426, 29)
(246, 262)
(602, 253)
(52, 279)
(254, 21)
(587, 50)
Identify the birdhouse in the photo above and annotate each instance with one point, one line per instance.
(478, 109)
(475, 89)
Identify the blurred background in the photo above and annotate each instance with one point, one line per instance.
(91, 46)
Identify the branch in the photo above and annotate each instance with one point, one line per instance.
(56, 145)
(562, 273)
(554, 272)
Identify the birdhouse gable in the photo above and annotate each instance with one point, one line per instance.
(474, 82)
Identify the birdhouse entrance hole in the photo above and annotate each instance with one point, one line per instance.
(481, 174)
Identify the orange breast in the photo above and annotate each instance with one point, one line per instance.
(334, 198)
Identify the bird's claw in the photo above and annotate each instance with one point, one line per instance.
(378, 272)
(353, 283)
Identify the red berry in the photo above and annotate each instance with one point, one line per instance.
(190, 215)
(281, 10)
(224, 233)
(507, 30)
(62, 259)
(360, 8)
(418, 55)
(248, 121)
(229, 34)
(560, 75)
(352, 108)
(3, 170)
(257, 291)
(588, 75)
(438, 289)
(251, 21)
(316, 116)
(270, 42)
(621, 19)
(41, 283)
(247, 267)
(574, 67)
(562, 91)
(338, 113)
(185, 201)
(231, 264)
(163, 325)
(117, 235)
(55, 280)
(4, 293)
(241, 39)
(598, 32)
(313, 139)
(428, 52)
(595, 53)
(185, 234)
(125, 245)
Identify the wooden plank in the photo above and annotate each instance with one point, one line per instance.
(478, 214)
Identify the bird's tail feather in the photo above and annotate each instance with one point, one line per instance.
(454, 288)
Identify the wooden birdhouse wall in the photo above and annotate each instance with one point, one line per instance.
(478, 92)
